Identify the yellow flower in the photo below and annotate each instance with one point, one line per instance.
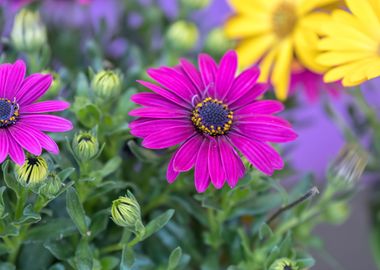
(274, 33)
(352, 43)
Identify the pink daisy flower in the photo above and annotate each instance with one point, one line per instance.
(22, 121)
(213, 116)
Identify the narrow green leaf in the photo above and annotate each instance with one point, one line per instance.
(28, 216)
(111, 166)
(54, 229)
(175, 258)
(75, 210)
(158, 223)
(66, 173)
(61, 249)
(7, 266)
(99, 222)
(9, 179)
(83, 256)
(127, 258)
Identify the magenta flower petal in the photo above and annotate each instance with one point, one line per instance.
(45, 141)
(173, 81)
(254, 93)
(232, 165)
(25, 139)
(153, 100)
(226, 74)
(207, 112)
(4, 145)
(244, 83)
(33, 88)
(45, 106)
(215, 165)
(16, 153)
(261, 107)
(4, 71)
(16, 76)
(49, 123)
(186, 155)
(167, 137)
(158, 113)
(193, 74)
(201, 174)
(145, 128)
(166, 94)
(208, 70)
(171, 174)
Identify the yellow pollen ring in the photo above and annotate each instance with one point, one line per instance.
(212, 130)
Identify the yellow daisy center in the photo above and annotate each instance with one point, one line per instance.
(212, 117)
(284, 19)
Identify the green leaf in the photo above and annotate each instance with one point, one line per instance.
(175, 258)
(89, 115)
(305, 263)
(111, 166)
(109, 262)
(61, 249)
(158, 223)
(75, 210)
(66, 173)
(57, 266)
(83, 256)
(3, 249)
(127, 258)
(28, 216)
(265, 232)
(99, 222)
(54, 229)
(2, 204)
(142, 154)
(7, 266)
(9, 180)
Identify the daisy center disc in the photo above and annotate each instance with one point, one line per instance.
(284, 19)
(212, 117)
(8, 112)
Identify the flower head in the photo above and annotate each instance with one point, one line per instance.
(182, 35)
(22, 118)
(284, 264)
(273, 32)
(351, 43)
(85, 146)
(212, 115)
(126, 213)
(106, 84)
(33, 172)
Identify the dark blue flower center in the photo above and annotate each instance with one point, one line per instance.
(212, 117)
(8, 112)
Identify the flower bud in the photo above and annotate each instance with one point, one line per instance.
(106, 84)
(52, 186)
(126, 213)
(33, 172)
(217, 42)
(196, 4)
(284, 264)
(182, 35)
(28, 32)
(85, 146)
(56, 85)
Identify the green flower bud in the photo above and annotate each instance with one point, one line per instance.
(182, 35)
(55, 87)
(126, 213)
(33, 172)
(85, 146)
(28, 32)
(284, 264)
(217, 42)
(196, 4)
(51, 187)
(106, 84)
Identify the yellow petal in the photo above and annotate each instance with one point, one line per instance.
(338, 73)
(282, 69)
(304, 44)
(244, 26)
(345, 44)
(249, 7)
(251, 50)
(365, 13)
(306, 6)
(266, 64)
(339, 58)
